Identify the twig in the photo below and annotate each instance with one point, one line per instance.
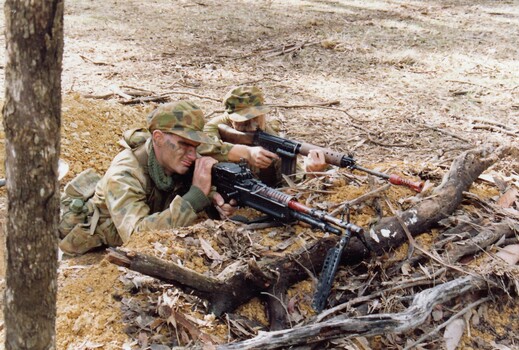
(389, 144)
(437, 273)
(284, 50)
(192, 94)
(137, 88)
(282, 304)
(345, 111)
(469, 83)
(117, 90)
(358, 200)
(446, 323)
(159, 98)
(491, 122)
(312, 105)
(495, 128)
(446, 132)
(318, 104)
(97, 63)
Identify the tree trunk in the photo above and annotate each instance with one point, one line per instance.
(32, 118)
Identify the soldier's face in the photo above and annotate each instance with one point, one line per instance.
(250, 125)
(176, 154)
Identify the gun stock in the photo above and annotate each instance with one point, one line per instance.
(288, 149)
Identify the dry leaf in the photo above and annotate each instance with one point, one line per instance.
(209, 251)
(437, 315)
(453, 333)
(508, 198)
(406, 269)
(510, 254)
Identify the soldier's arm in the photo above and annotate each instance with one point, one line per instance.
(126, 203)
(220, 151)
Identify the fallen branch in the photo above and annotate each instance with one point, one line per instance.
(304, 105)
(444, 199)
(370, 325)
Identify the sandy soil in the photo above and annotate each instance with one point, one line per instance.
(418, 83)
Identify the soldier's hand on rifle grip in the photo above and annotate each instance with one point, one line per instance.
(315, 161)
(202, 173)
(260, 157)
(224, 209)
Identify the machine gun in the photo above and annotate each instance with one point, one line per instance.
(236, 181)
(287, 150)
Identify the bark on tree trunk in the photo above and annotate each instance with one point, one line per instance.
(32, 118)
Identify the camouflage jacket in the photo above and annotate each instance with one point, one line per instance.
(128, 200)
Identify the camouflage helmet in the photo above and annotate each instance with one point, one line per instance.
(182, 118)
(244, 103)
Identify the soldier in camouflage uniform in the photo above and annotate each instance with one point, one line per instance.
(245, 111)
(157, 182)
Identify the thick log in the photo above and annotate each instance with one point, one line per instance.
(247, 281)
(222, 295)
(446, 197)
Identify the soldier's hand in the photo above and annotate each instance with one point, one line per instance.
(260, 157)
(225, 209)
(315, 161)
(202, 173)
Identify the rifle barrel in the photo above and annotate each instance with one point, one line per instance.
(394, 179)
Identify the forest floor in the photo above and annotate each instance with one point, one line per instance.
(418, 82)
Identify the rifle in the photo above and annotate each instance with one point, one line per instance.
(287, 150)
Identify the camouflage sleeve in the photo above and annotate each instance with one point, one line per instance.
(220, 151)
(126, 203)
